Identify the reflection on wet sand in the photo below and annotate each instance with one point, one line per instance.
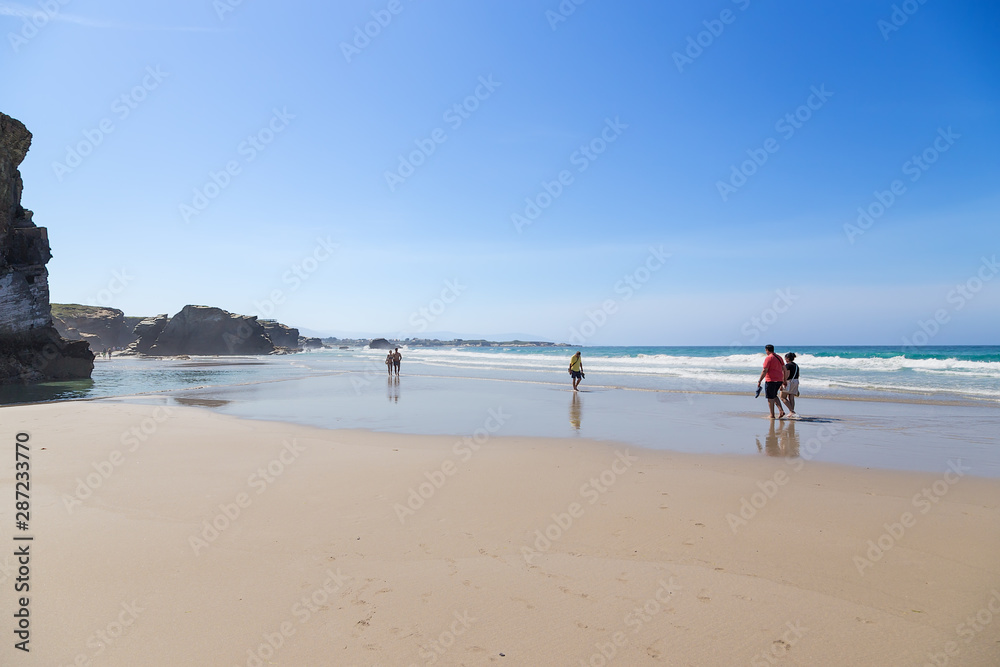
(574, 411)
(201, 402)
(781, 440)
(392, 389)
(59, 390)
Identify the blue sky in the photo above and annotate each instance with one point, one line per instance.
(199, 83)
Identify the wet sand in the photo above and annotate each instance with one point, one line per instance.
(883, 434)
(168, 535)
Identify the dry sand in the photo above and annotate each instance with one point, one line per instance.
(645, 565)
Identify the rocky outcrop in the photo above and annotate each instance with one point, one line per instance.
(99, 326)
(205, 330)
(310, 343)
(146, 333)
(281, 335)
(380, 344)
(30, 347)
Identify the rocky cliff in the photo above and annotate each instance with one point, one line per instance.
(99, 326)
(309, 343)
(202, 330)
(281, 335)
(30, 347)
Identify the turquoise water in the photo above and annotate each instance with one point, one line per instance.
(966, 373)
(658, 397)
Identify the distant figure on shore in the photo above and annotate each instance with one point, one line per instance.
(389, 358)
(791, 388)
(396, 358)
(576, 370)
(774, 373)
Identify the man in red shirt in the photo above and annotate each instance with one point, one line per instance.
(774, 373)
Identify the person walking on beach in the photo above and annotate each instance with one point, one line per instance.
(576, 370)
(791, 388)
(396, 358)
(389, 358)
(774, 373)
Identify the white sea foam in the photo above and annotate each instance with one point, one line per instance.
(732, 371)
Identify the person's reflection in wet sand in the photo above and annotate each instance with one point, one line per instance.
(783, 441)
(574, 411)
(392, 392)
(788, 439)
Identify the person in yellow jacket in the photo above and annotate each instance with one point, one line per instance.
(576, 370)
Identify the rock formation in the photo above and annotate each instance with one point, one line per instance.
(202, 330)
(30, 347)
(101, 327)
(380, 344)
(281, 335)
(310, 343)
(146, 332)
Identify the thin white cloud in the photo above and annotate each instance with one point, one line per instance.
(18, 10)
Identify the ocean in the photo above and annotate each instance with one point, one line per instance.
(937, 374)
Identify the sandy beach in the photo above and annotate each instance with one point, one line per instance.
(175, 535)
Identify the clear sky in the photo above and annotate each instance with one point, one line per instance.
(643, 109)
